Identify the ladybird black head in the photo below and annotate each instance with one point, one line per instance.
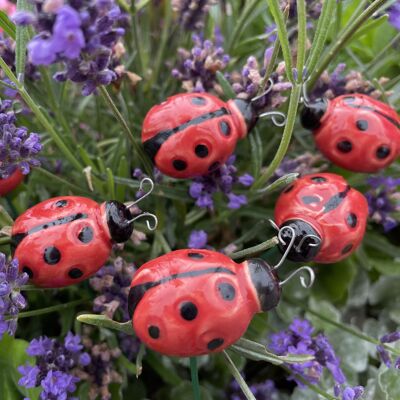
(248, 112)
(306, 244)
(312, 113)
(118, 220)
(266, 283)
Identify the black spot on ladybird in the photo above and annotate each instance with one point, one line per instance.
(383, 152)
(75, 273)
(154, 332)
(227, 291)
(188, 311)
(346, 249)
(362, 124)
(215, 343)
(197, 256)
(344, 146)
(61, 203)
(51, 255)
(201, 150)
(318, 179)
(198, 101)
(352, 220)
(179, 165)
(86, 234)
(28, 271)
(310, 199)
(225, 128)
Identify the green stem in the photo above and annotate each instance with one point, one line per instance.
(104, 322)
(353, 332)
(238, 377)
(139, 152)
(194, 373)
(251, 251)
(5, 216)
(301, 38)
(286, 137)
(47, 310)
(344, 38)
(139, 359)
(5, 240)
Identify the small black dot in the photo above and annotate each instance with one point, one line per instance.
(198, 101)
(75, 273)
(213, 166)
(288, 189)
(215, 343)
(344, 146)
(352, 220)
(179, 165)
(318, 179)
(225, 128)
(383, 152)
(347, 248)
(196, 256)
(154, 332)
(310, 199)
(61, 203)
(188, 311)
(28, 271)
(51, 255)
(362, 124)
(86, 234)
(201, 150)
(227, 291)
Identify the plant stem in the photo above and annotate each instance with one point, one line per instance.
(286, 137)
(139, 152)
(104, 322)
(5, 240)
(251, 251)
(47, 310)
(301, 38)
(238, 377)
(194, 373)
(344, 38)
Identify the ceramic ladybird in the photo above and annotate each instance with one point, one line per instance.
(191, 134)
(7, 185)
(64, 240)
(327, 216)
(193, 302)
(354, 131)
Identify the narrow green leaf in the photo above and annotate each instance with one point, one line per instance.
(226, 86)
(283, 36)
(7, 25)
(110, 183)
(104, 322)
(370, 26)
(22, 39)
(301, 38)
(280, 183)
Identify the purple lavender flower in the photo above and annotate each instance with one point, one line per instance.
(198, 240)
(383, 354)
(191, 13)
(55, 366)
(197, 68)
(18, 148)
(262, 391)
(83, 36)
(11, 299)
(394, 15)
(384, 200)
(222, 180)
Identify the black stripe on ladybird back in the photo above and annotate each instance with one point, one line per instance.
(335, 200)
(152, 146)
(137, 292)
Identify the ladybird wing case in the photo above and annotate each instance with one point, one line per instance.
(61, 241)
(9, 184)
(359, 133)
(335, 210)
(190, 302)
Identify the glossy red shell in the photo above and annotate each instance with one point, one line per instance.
(305, 200)
(62, 241)
(170, 282)
(199, 143)
(371, 127)
(7, 185)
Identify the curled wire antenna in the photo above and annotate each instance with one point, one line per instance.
(266, 91)
(283, 242)
(304, 97)
(310, 236)
(150, 216)
(305, 283)
(141, 189)
(274, 115)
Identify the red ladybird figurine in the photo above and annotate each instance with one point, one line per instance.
(7, 185)
(64, 240)
(354, 131)
(321, 218)
(193, 302)
(191, 134)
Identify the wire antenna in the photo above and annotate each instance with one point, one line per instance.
(151, 217)
(267, 90)
(274, 116)
(305, 283)
(141, 189)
